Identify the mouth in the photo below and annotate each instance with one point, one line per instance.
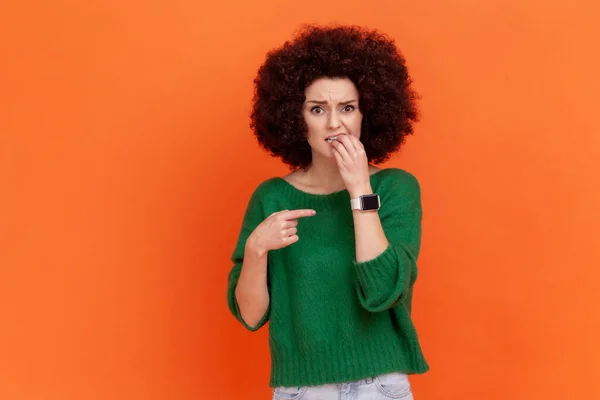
(331, 138)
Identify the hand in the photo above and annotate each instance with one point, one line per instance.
(278, 230)
(353, 164)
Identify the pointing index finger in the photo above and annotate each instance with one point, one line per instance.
(293, 214)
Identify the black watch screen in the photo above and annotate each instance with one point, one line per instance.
(370, 202)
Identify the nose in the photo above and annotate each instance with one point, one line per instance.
(333, 122)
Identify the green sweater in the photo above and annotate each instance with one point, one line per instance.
(332, 319)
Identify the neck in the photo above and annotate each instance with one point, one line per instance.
(325, 174)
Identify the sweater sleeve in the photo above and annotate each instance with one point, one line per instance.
(252, 218)
(383, 281)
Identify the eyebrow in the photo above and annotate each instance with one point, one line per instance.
(325, 102)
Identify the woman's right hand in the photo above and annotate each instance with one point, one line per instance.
(278, 230)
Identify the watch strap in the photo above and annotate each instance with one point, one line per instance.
(356, 204)
(359, 202)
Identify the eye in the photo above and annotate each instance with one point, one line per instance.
(315, 109)
(348, 108)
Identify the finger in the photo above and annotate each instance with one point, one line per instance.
(294, 214)
(291, 231)
(341, 150)
(356, 142)
(291, 239)
(290, 223)
(338, 157)
(348, 141)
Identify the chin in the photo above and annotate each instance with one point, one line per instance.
(326, 154)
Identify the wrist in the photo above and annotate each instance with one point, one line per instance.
(254, 247)
(359, 191)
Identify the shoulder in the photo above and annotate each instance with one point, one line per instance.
(398, 189)
(398, 179)
(270, 185)
(260, 197)
(264, 189)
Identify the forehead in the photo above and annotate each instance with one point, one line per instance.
(331, 89)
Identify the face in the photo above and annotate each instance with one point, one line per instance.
(331, 109)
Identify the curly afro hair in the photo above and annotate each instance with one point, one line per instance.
(368, 58)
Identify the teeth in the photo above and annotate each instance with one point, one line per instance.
(331, 139)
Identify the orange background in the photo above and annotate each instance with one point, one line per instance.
(126, 163)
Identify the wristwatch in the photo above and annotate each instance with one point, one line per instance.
(366, 202)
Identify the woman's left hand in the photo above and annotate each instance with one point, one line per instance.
(353, 164)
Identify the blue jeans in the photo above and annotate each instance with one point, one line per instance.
(382, 387)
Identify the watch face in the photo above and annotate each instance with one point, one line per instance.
(370, 202)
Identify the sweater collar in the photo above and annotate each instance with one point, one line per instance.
(336, 200)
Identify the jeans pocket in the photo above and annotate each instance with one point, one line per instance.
(395, 385)
(288, 393)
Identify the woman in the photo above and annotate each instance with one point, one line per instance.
(328, 252)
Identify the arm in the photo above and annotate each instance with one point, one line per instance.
(370, 239)
(388, 243)
(249, 294)
(248, 290)
(252, 292)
